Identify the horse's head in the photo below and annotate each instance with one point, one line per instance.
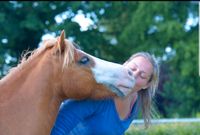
(85, 76)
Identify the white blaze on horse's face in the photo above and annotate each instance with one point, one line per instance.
(116, 77)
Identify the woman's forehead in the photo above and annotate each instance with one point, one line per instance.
(143, 63)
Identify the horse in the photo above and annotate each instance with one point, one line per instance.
(31, 93)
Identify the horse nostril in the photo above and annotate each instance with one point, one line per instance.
(130, 73)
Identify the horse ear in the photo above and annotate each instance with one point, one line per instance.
(61, 41)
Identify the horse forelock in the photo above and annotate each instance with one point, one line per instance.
(68, 54)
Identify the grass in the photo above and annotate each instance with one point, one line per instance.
(166, 129)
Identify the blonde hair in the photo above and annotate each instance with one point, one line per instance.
(146, 95)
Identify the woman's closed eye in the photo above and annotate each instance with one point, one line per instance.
(133, 67)
(143, 76)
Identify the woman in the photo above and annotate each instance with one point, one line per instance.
(112, 116)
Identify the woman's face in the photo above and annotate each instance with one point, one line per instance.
(142, 69)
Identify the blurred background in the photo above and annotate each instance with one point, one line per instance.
(114, 31)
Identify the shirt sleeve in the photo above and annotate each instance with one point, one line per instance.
(70, 114)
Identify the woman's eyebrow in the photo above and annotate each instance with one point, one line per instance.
(142, 71)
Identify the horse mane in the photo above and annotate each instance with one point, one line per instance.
(68, 54)
(26, 58)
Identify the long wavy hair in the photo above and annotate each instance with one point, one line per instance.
(146, 95)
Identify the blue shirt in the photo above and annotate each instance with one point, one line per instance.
(91, 117)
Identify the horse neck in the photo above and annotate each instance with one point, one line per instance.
(32, 89)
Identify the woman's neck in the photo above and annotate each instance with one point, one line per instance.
(124, 105)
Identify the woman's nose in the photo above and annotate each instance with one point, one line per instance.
(130, 72)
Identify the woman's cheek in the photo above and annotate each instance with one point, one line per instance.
(140, 83)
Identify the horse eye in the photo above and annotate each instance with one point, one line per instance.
(84, 60)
